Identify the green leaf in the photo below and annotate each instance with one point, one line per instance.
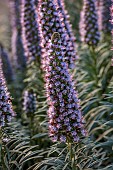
(40, 135)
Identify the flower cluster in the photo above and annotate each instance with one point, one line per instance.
(65, 19)
(30, 33)
(65, 118)
(7, 68)
(51, 21)
(19, 58)
(104, 16)
(89, 24)
(6, 111)
(29, 102)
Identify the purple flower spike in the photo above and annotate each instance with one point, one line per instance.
(64, 108)
(29, 102)
(52, 20)
(6, 111)
(31, 40)
(18, 54)
(104, 15)
(65, 18)
(89, 30)
(6, 67)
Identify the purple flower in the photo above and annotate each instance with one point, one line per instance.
(51, 20)
(103, 9)
(19, 58)
(7, 67)
(64, 17)
(29, 102)
(89, 23)
(30, 30)
(61, 124)
(6, 111)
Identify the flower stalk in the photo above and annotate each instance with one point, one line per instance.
(30, 33)
(51, 21)
(66, 123)
(89, 29)
(104, 16)
(6, 110)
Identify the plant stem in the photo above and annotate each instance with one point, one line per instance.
(2, 150)
(72, 156)
(31, 126)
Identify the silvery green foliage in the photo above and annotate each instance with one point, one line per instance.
(89, 30)
(6, 111)
(81, 156)
(30, 34)
(104, 16)
(51, 21)
(29, 102)
(65, 118)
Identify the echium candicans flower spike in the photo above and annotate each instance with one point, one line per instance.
(66, 22)
(89, 30)
(65, 19)
(104, 16)
(29, 102)
(6, 66)
(17, 50)
(65, 118)
(30, 33)
(6, 111)
(51, 21)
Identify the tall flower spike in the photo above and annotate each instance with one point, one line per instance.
(65, 18)
(6, 111)
(30, 34)
(51, 21)
(18, 55)
(89, 30)
(65, 118)
(104, 16)
(6, 67)
(29, 102)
